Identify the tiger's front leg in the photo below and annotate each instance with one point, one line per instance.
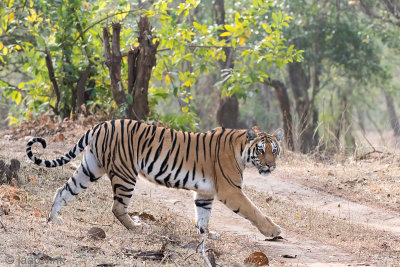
(238, 202)
(203, 205)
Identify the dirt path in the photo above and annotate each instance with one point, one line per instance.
(224, 221)
(353, 212)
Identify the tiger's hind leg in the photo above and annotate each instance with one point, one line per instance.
(89, 171)
(123, 190)
(203, 205)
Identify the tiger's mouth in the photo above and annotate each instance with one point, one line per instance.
(264, 172)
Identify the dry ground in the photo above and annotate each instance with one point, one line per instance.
(333, 214)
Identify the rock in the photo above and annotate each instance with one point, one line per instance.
(96, 233)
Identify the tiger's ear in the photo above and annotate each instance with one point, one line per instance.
(278, 134)
(251, 134)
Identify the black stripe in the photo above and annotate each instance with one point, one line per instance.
(144, 146)
(148, 155)
(148, 130)
(188, 147)
(161, 134)
(163, 167)
(119, 199)
(156, 155)
(74, 181)
(151, 139)
(130, 148)
(194, 171)
(176, 157)
(179, 169)
(125, 195)
(88, 173)
(204, 146)
(138, 144)
(122, 188)
(70, 189)
(166, 180)
(122, 144)
(154, 129)
(197, 146)
(211, 138)
(185, 179)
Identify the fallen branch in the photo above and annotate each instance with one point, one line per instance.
(374, 150)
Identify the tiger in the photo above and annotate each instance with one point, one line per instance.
(210, 163)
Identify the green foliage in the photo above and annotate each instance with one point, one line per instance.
(190, 47)
(256, 43)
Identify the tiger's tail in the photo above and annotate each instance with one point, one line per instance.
(78, 148)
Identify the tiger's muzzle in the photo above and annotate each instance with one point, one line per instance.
(266, 170)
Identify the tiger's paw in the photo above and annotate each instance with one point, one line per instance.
(272, 231)
(54, 218)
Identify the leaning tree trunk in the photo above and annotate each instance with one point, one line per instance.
(228, 110)
(283, 98)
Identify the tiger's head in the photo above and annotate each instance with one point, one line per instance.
(263, 149)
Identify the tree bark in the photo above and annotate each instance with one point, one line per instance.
(113, 61)
(283, 98)
(228, 110)
(394, 121)
(81, 85)
(141, 61)
(50, 70)
(308, 115)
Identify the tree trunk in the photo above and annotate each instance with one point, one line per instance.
(113, 61)
(228, 110)
(283, 98)
(50, 69)
(81, 85)
(308, 115)
(394, 121)
(141, 61)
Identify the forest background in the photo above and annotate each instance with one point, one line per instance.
(325, 71)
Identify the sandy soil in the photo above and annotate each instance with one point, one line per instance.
(310, 240)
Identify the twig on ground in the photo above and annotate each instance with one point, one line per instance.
(99, 224)
(203, 250)
(3, 226)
